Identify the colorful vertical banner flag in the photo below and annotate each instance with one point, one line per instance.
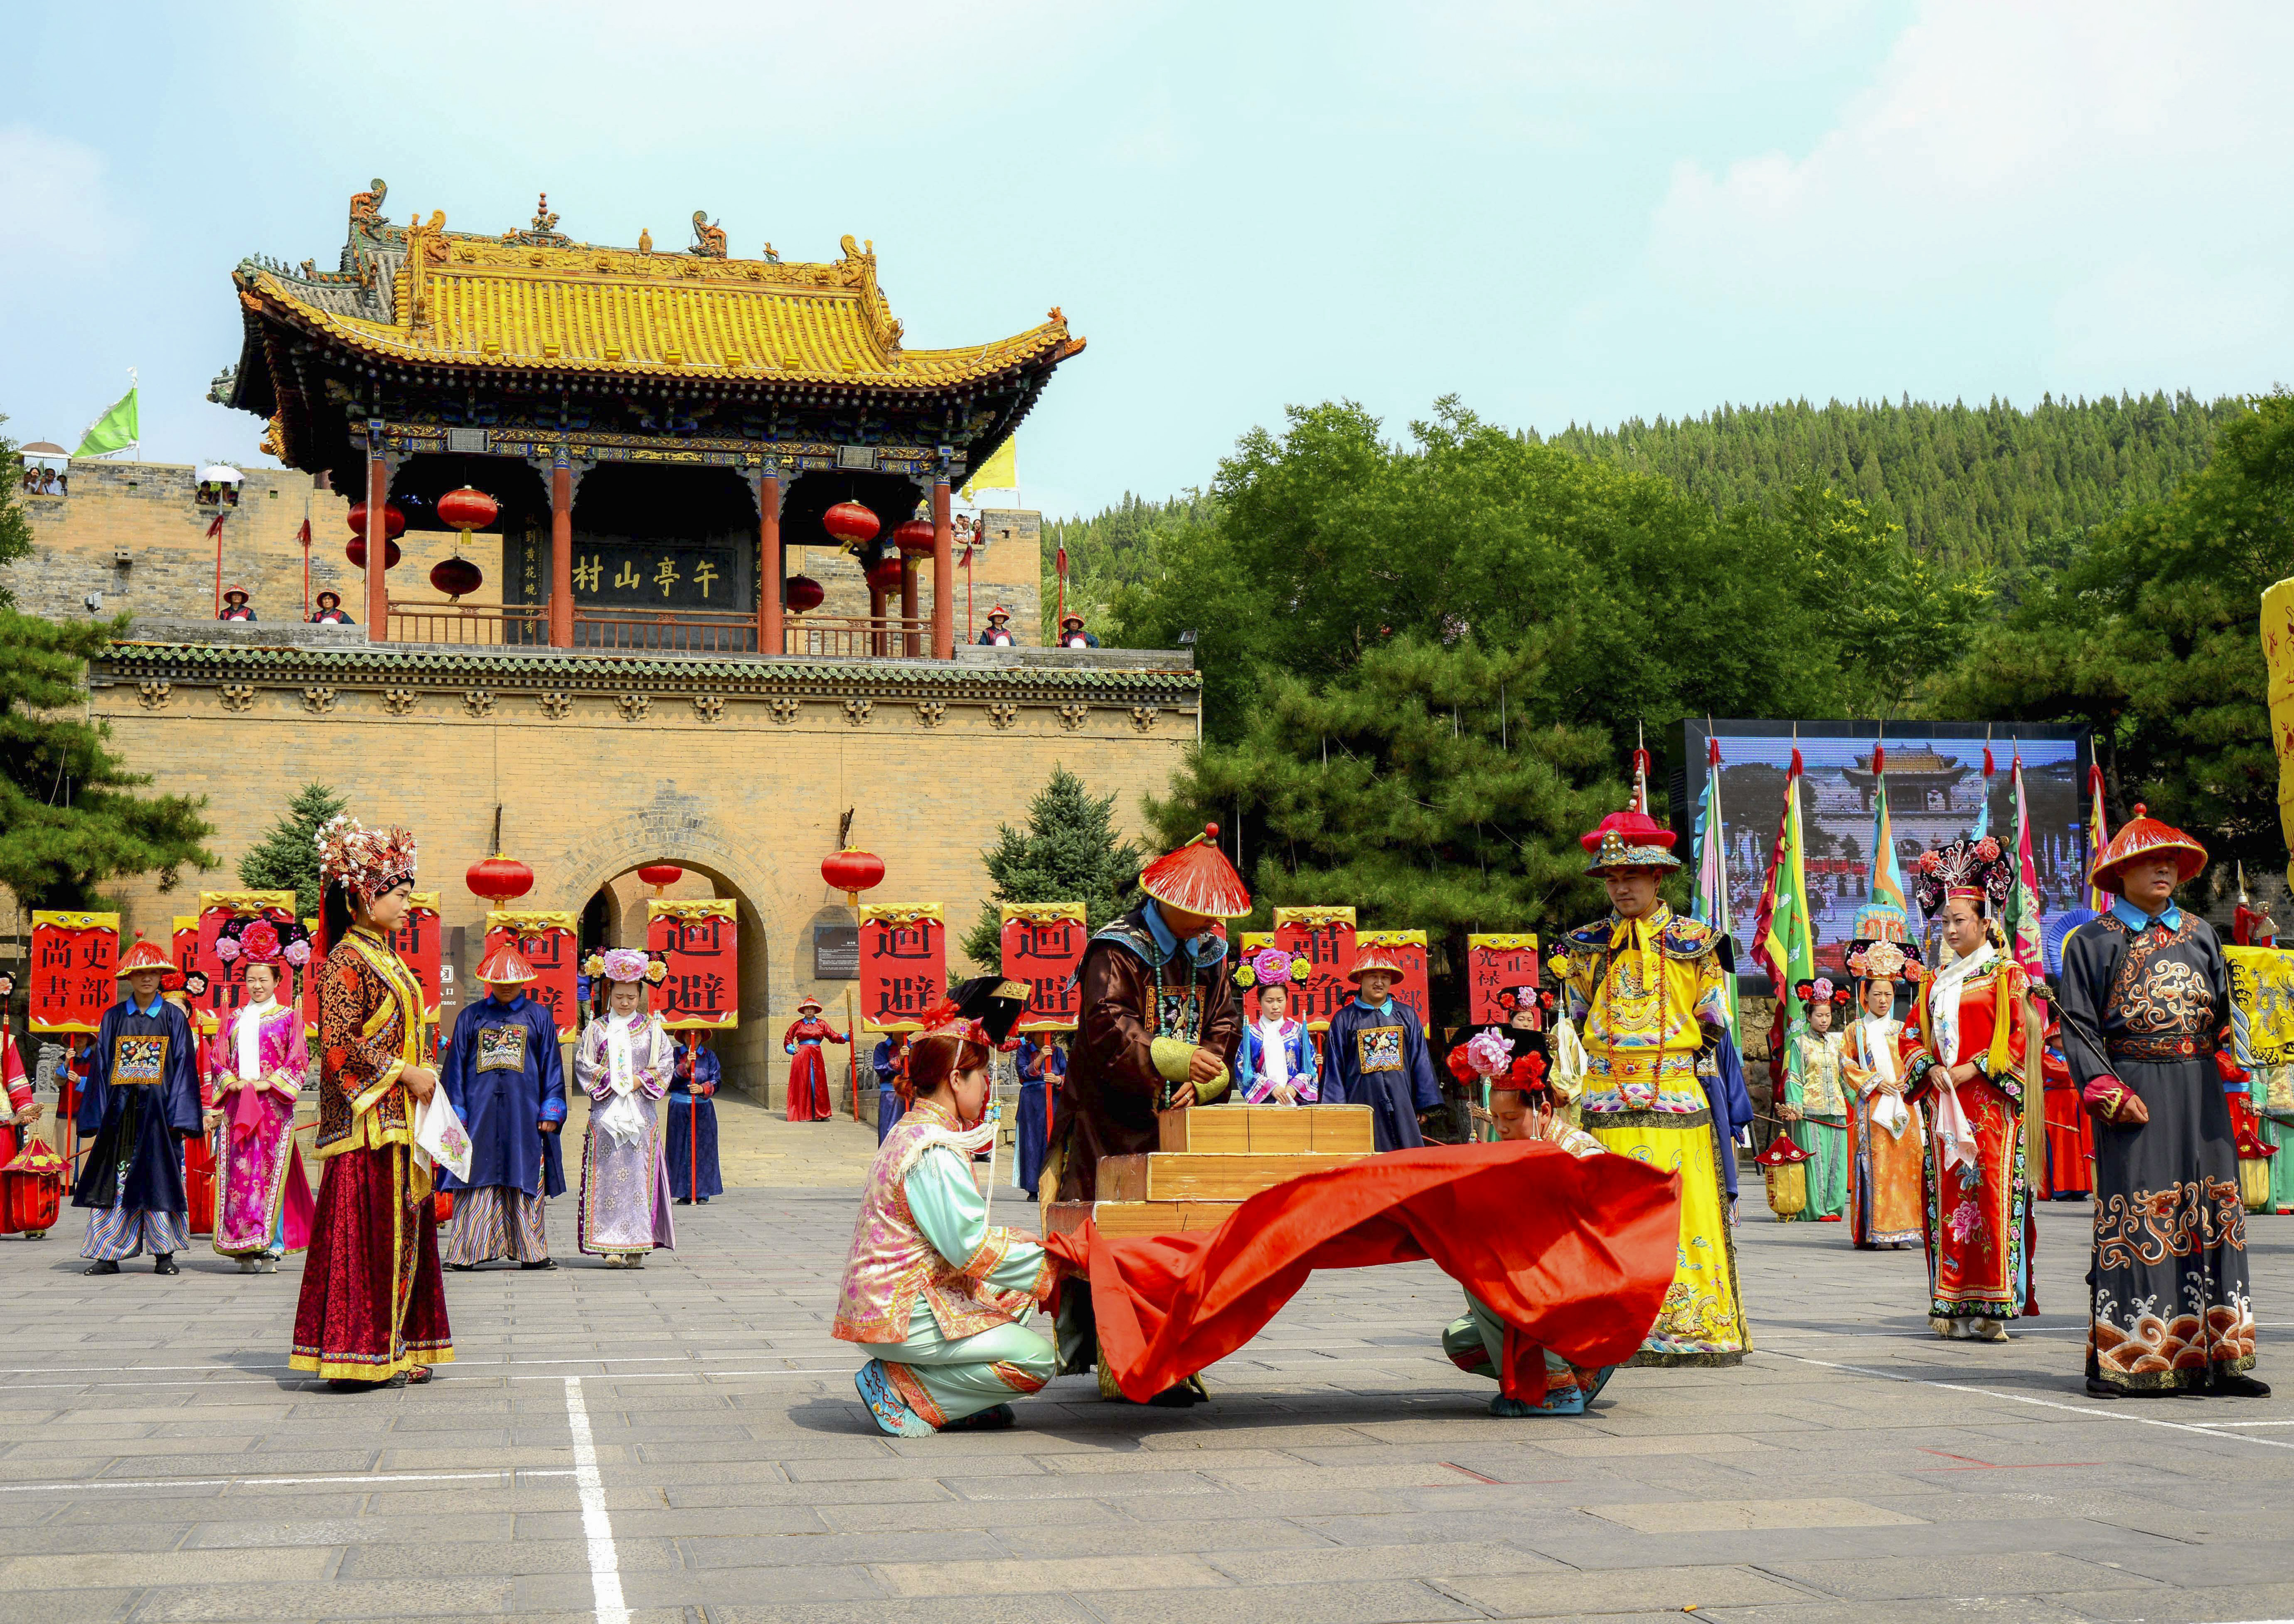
(903, 965)
(1713, 906)
(1042, 944)
(1325, 938)
(699, 945)
(416, 942)
(2022, 920)
(1782, 940)
(1983, 810)
(1887, 870)
(1500, 970)
(1409, 950)
(548, 940)
(224, 993)
(2097, 837)
(74, 970)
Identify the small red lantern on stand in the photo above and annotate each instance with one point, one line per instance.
(850, 524)
(916, 536)
(661, 876)
(804, 593)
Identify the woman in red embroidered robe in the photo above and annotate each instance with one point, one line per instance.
(1962, 1049)
(808, 1082)
(373, 1304)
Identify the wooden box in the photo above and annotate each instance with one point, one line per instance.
(1269, 1130)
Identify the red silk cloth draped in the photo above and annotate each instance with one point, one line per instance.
(1574, 1255)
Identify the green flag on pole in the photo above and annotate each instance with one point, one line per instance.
(116, 430)
(1784, 939)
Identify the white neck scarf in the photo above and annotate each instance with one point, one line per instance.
(247, 1034)
(1943, 1002)
(620, 1065)
(1274, 1052)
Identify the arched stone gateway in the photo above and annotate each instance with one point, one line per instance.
(733, 768)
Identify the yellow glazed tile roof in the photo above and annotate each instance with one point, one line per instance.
(474, 301)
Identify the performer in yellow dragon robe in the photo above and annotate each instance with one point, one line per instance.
(1646, 991)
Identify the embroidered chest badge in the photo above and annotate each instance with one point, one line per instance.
(140, 1058)
(1379, 1048)
(501, 1048)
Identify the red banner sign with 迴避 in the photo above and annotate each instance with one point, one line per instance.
(698, 944)
(1409, 950)
(903, 965)
(1500, 972)
(1325, 938)
(548, 943)
(1043, 945)
(74, 970)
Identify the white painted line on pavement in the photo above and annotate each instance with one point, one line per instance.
(604, 1567)
(2090, 1411)
(279, 1482)
(594, 1359)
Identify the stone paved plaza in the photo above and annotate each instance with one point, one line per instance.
(684, 1445)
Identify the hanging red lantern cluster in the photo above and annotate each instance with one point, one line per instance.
(661, 876)
(850, 524)
(356, 553)
(884, 574)
(916, 536)
(500, 880)
(394, 525)
(804, 593)
(852, 871)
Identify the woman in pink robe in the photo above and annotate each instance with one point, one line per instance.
(257, 1064)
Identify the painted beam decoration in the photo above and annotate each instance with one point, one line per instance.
(698, 943)
(216, 990)
(1325, 938)
(1497, 967)
(903, 965)
(74, 970)
(416, 942)
(1409, 950)
(548, 942)
(1043, 942)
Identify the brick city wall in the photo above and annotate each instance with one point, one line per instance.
(136, 534)
(733, 770)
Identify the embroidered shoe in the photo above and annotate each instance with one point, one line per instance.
(890, 1412)
(1572, 1403)
(995, 1418)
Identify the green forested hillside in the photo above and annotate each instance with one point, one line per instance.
(1970, 485)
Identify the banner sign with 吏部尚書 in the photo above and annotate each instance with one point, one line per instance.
(1043, 945)
(698, 944)
(1499, 968)
(547, 942)
(903, 965)
(1325, 938)
(74, 970)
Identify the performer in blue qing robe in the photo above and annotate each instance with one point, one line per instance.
(140, 1105)
(1041, 1065)
(693, 1175)
(888, 1061)
(1377, 1055)
(506, 1082)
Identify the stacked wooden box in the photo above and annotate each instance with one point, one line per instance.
(1212, 1159)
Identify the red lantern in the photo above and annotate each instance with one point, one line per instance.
(852, 871)
(356, 553)
(850, 524)
(916, 536)
(467, 509)
(500, 880)
(455, 576)
(394, 519)
(803, 593)
(884, 574)
(661, 876)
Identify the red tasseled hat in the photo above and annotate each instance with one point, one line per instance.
(1781, 1153)
(1374, 958)
(2141, 836)
(506, 966)
(1198, 879)
(145, 956)
(1629, 840)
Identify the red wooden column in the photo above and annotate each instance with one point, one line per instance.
(561, 552)
(378, 538)
(771, 635)
(943, 632)
(912, 640)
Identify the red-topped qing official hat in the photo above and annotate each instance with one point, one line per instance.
(144, 955)
(1629, 840)
(1198, 879)
(506, 966)
(1374, 957)
(2144, 836)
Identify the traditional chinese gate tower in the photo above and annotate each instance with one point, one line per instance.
(654, 425)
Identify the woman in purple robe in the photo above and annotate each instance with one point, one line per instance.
(624, 1062)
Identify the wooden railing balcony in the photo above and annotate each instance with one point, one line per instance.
(499, 625)
(683, 631)
(828, 637)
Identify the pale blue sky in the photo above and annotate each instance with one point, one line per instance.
(1557, 213)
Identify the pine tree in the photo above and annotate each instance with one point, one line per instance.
(15, 529)
(67, 822)
(1069, 852)
(287, 860)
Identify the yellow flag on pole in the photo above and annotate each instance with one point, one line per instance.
(1000, 472)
